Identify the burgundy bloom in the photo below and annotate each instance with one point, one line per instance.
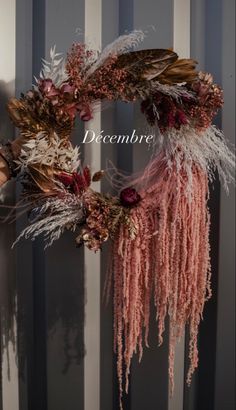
(65, 178)
(75, 182)
(45, 85)
(77, 185)
(81, 182)
(129, 197)
(169, 120)
(87, 177)
(181, 118)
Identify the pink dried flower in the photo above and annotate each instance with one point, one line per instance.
(67, 89)
(47, 88)
(200, 88)
(85, 112)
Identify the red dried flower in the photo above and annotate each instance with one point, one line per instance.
(75, 182)
(81, 182)
(65, 178)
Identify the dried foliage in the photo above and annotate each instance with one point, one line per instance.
(159, 221)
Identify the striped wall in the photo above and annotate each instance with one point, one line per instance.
(60, 313)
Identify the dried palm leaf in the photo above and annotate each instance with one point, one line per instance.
(43, 176)
(21, 114)
(182, 70)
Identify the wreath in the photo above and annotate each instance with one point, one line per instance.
(159, 221)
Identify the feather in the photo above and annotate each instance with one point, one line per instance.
(147, 64)
(175, 91)
(53, 218)
(121, 45)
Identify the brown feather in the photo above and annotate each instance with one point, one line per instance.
(146, 64)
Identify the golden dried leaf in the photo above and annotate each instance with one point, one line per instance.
(182, 70)
(43, 177)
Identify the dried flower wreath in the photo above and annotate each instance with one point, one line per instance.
(159, 222)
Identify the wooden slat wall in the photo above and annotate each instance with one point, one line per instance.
(54, 286)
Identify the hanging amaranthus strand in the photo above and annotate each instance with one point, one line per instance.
(167, 263)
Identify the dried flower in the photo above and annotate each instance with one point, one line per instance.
(129, 197)
(67, 90)
(98, 175)
(75, 182)
(65, 178)
(47, 88)
(85, 112)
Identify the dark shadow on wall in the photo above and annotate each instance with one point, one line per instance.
(65, 298)
(50, 303)
(7, 255)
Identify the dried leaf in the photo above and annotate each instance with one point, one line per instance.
(97, 176)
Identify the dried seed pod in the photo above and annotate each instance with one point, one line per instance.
(98, 175)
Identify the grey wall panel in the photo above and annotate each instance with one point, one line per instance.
(64, 23)
(110, 11)
(65, 319)
(125, 112)
(157, 18)
(64, 266)
(198, 31)
(225, 358)
(212, 44)
(205, 31)
(24, 62)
